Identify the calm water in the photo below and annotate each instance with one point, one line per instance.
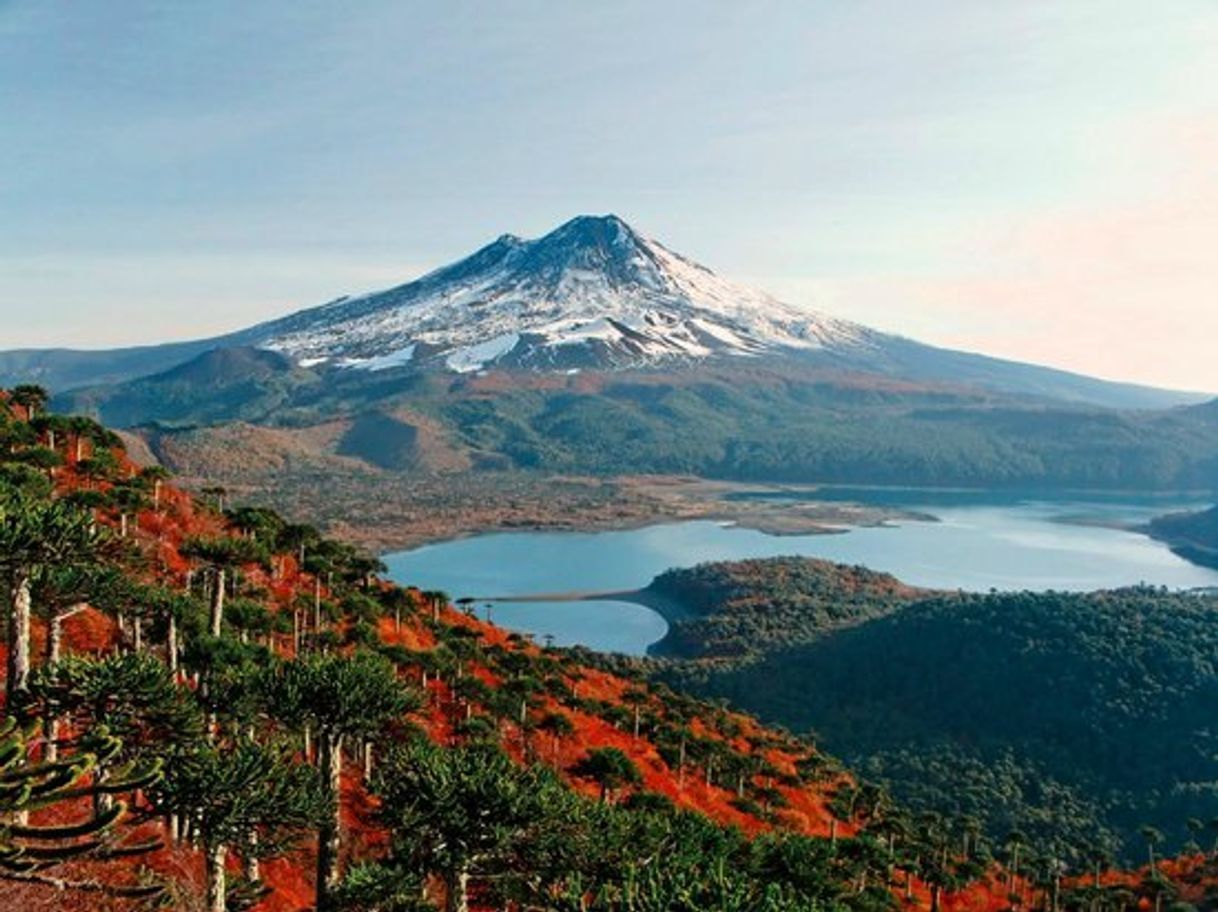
(975, 546)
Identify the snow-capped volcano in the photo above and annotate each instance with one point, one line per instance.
(592, 293)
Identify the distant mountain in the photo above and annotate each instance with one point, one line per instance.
(592, 295)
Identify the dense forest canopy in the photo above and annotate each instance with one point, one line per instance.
(1078, 717)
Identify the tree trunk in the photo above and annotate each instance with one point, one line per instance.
(456, 897)
(249, 857)
(216, 885)
(171, 645)
(329, 834)
(935, 892)
(217, 603)
(18, 639)
(102, 801)
(137, 633)
(50, 723)
(316, 605)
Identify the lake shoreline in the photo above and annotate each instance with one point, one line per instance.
(662, 500)
(604, 577)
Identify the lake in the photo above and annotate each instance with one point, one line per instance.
(978, 543)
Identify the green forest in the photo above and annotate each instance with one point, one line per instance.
(1080, 718)
(759, 424)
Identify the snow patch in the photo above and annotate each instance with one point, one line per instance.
(384, 362)
(474, 357)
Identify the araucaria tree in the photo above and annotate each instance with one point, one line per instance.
(228, 792)
(221, 556)
(35, 536)
(343, 699)
(463, 812)
(96, 847)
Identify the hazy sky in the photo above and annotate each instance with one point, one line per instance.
(1026, 178)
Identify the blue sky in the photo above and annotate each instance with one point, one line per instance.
(1033, 179)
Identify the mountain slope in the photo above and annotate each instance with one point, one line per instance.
(592, 295)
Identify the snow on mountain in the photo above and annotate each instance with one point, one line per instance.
(591, 293)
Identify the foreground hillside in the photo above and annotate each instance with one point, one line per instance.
(1071, 717)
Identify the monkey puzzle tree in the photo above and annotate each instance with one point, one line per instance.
(558, 726)
(131, 696)
(462, 813)
(222, 555)
(342, 698)
(60, 592)
(610, 768)
(31, 854)
(36, 535)
(31, 397)
(230, 791)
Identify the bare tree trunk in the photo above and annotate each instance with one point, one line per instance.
(217, 603)
(171, 645)
(249, 857)
(329, 834)
(18, 639)
(456, 898)
(137, 633)
(216, 879)
(50, 723)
